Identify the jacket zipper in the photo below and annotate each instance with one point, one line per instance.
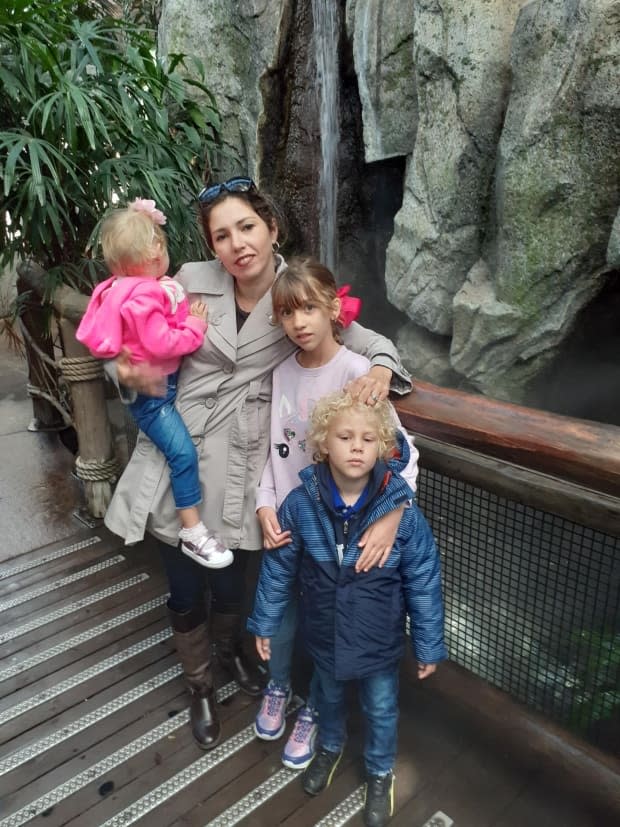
(341, 548)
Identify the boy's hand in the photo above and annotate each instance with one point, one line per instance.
(199, 309)
(426, 669)
(142, 377)
(273, 536)
(263, 647)
(378, 540)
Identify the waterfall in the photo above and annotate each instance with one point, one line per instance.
(325, 16)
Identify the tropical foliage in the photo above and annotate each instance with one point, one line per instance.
(89, 116)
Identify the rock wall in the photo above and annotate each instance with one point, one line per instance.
(235, 40)
(479, 204)
(555, 195)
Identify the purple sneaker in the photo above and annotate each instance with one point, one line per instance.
(271, 718)
(299, 749)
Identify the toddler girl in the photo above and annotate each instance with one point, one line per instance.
(140, 310)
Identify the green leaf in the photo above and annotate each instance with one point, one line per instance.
(87, 115)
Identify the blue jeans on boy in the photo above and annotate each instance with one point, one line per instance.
(282, 645)
(162, 423)
(379, 701)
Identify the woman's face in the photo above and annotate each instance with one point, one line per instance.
(243, 241)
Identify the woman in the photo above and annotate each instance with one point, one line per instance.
(224, 395)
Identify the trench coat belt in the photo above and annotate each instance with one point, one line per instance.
(235, 491)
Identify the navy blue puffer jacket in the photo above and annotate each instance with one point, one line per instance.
(353, 623)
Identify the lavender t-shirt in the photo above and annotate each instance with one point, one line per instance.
(296, 390)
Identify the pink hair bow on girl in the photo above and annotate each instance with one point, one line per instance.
(350, 306)
(147, 205)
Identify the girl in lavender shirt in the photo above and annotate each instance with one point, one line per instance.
(310, 308)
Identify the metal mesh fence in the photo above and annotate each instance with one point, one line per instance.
(532, 604)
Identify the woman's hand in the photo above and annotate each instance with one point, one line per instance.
(378, 540)
(142, 377)
(426, 669)
(373, 386)
(273, 536)
(263, 647)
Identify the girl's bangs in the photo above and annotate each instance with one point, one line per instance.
(289, 294)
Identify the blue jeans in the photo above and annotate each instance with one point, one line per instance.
(282, 645)
(162, 423)
(379, 700)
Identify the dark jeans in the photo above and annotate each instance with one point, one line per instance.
(379, 700)
(189, 582)
(162, 423)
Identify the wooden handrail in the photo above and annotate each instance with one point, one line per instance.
(577, 450)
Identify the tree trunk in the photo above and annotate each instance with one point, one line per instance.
(35, 320)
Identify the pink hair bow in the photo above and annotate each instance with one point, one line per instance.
(147, 205)
(350, 306)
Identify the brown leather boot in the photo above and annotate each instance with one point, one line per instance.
(226, 631)
(192, 642)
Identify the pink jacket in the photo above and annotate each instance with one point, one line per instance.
(148, 316)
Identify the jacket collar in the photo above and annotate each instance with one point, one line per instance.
(377, 482)
(212, 279)
(390, 490)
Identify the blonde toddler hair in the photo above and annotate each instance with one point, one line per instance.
(380, 417)
(130, 238)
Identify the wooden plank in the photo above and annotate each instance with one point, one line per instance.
(104, 795)
(179, 760)
(543, 806)
(584, 452)
(169, 700)
(45, 662)
(45, 760)
(132, 592)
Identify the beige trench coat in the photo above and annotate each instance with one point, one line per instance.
(224, 396)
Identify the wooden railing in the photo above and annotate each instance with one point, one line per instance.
(557, 465)
(575, 450)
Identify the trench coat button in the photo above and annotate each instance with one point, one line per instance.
(228, 368)
(210, 402)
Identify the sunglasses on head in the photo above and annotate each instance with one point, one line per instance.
(209, 194)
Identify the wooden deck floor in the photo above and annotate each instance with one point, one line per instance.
(93, 722)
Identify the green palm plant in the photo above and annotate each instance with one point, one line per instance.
(90, 116)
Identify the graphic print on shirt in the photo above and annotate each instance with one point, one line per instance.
(294, 419)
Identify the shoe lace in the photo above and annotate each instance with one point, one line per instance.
(303, 726)
(275, 699)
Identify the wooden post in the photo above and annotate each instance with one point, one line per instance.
(96, 464)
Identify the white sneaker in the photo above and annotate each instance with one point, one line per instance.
(207, 551)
